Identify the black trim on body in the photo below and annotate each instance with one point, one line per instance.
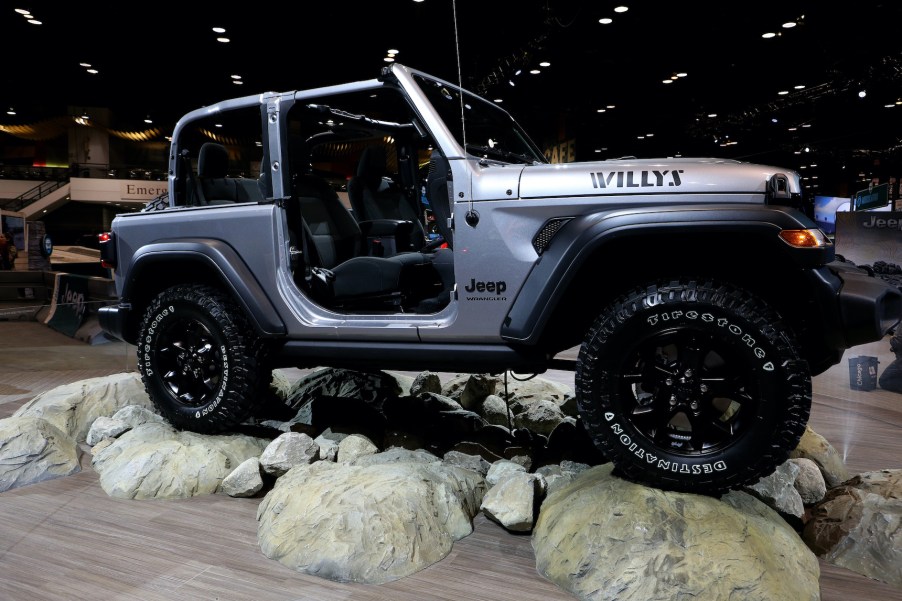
(476, 358)
(578, 239)
(229, 267)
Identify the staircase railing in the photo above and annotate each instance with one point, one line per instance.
(29, 196)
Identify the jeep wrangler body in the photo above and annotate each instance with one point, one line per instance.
(404, 223)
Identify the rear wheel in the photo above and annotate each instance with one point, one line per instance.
(693, 386)
(201, 363)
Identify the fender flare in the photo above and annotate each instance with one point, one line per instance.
(583, 235)
(230, 268)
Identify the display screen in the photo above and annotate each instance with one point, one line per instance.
(825, 208)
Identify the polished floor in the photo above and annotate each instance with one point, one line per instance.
(65, 540)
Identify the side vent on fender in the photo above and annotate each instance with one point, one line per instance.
(542, 239)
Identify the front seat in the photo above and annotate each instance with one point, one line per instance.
(374, 197)
(337, 271)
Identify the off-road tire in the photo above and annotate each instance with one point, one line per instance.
(201, 364)
(692, 386)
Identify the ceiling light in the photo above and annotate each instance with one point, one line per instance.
(799, 87)
(86, 65)
(393, 51)
(602, 110)
(511, 83)
(34, 22)
(93, 71)
(11, 111)
(712, 115)
(768, 35)
(219, 30)
(544, 64)
(773, 119)
(235, 76)
(237, 82)
(667, 81)
(862, 93)
(610, 106)
(888, 106)
(682, 74)
(148, 119)
(606, 20)
(389, 59)
(23, 11)
(789, 25)
(783, 92)
(535, 71)
(497, 100)
(621, 9)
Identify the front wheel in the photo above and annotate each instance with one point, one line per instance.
(692, 386)
(200, 362)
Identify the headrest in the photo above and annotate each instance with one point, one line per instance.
(371, 167)
(213, 160)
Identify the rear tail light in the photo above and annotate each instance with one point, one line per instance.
(107, 250)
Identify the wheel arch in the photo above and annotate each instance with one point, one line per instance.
(595, 258)
(155, 267)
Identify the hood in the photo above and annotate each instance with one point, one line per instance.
(651, 176)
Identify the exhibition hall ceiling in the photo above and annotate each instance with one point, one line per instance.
(839, 67)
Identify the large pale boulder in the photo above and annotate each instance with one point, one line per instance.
(817, 448)
(601, 537)
(858, 526)
(73, 407)
(513, 502)
(155, 461)
(367, 523)
(33, 450)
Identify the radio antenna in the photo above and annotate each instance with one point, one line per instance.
(460, 81)
(463, 122)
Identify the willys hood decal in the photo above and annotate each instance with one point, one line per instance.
(648, 176)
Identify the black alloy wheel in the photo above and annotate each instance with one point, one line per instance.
(201, 364)
(692, 386)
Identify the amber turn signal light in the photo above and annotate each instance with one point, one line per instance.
(804, 238)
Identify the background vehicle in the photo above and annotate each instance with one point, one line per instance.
(295, 234)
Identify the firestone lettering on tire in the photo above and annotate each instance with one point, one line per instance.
(722, 322)
(223, 386)
(148, 366)
(663, 464)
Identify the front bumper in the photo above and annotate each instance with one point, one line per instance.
(869, 307)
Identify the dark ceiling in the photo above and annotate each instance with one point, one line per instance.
(161, 59)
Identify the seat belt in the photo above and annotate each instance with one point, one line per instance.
(192, 194)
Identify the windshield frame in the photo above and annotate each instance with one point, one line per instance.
(479, 129)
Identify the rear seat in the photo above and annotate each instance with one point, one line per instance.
(213, 184)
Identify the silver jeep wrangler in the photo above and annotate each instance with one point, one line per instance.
(404, 223)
